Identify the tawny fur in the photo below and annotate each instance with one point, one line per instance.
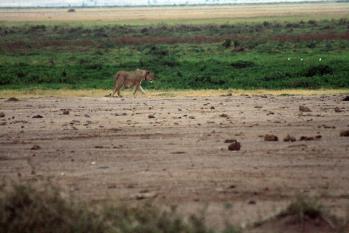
(129, 79)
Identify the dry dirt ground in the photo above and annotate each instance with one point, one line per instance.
(172, 150)
(152, 14)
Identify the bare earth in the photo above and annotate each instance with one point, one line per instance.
(151, 14)
(172, 150)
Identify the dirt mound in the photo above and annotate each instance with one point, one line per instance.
(292, 224)
(271, 138)
(12, 99)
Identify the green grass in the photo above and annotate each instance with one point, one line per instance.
(267, 55)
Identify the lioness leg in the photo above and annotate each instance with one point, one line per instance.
(114, 91)
(138, 87)
(141, 89)
(135, 90)
(118, 91)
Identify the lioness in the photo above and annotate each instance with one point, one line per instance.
(130, 79)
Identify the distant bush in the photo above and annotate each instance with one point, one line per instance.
(71, 10)
(278, 75)
(242, 64)
(227, 43)
(318, 70)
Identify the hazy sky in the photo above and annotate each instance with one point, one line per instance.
(4, 3)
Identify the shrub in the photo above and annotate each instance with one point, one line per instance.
(278, 75)
(227, 43)
(318, 70)
(304, 207)
(26, 209)
(242, 64)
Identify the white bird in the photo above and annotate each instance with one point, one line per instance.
(301, 59)
(289, 59)
(320, 59)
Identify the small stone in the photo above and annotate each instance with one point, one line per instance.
(235, 146)
(2, 114)
(252, 202)
(336, 109)
(270, 138)
(306, 138)
(224, 115)
(151, 116)
(289, 138)
(147, 195)
(37, 116)
(344, 133)
(346, 98)
(304, 109)
(230, 141)
(65, 112)
(36, 147)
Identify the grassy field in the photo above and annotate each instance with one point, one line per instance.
(78, 50)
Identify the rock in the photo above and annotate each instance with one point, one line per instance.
(318, 137)
(230, 140)
(35, 147)
(346, 98)
(2, 114)
(344, 133)
(37, 116)
(151, 116)
(191, 117)
(304, 109)
(224, 115)
(65, 112)
(270, 138)
(12, 99)
(306, 138)
(145, 195)
(235, 146)
(212, 108)
(336, 109)
(289, 138)
(252, 202)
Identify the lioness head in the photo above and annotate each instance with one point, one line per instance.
(149, 76)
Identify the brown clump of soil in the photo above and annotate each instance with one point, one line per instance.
(12, 99)
(310, 138)
(65, 111)
(337, 109)
(304, 109)
(36, 147)
(289, 138)
(2, 114)
(37, 116)
(344, 133)
(271, 138)
(234, 146)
